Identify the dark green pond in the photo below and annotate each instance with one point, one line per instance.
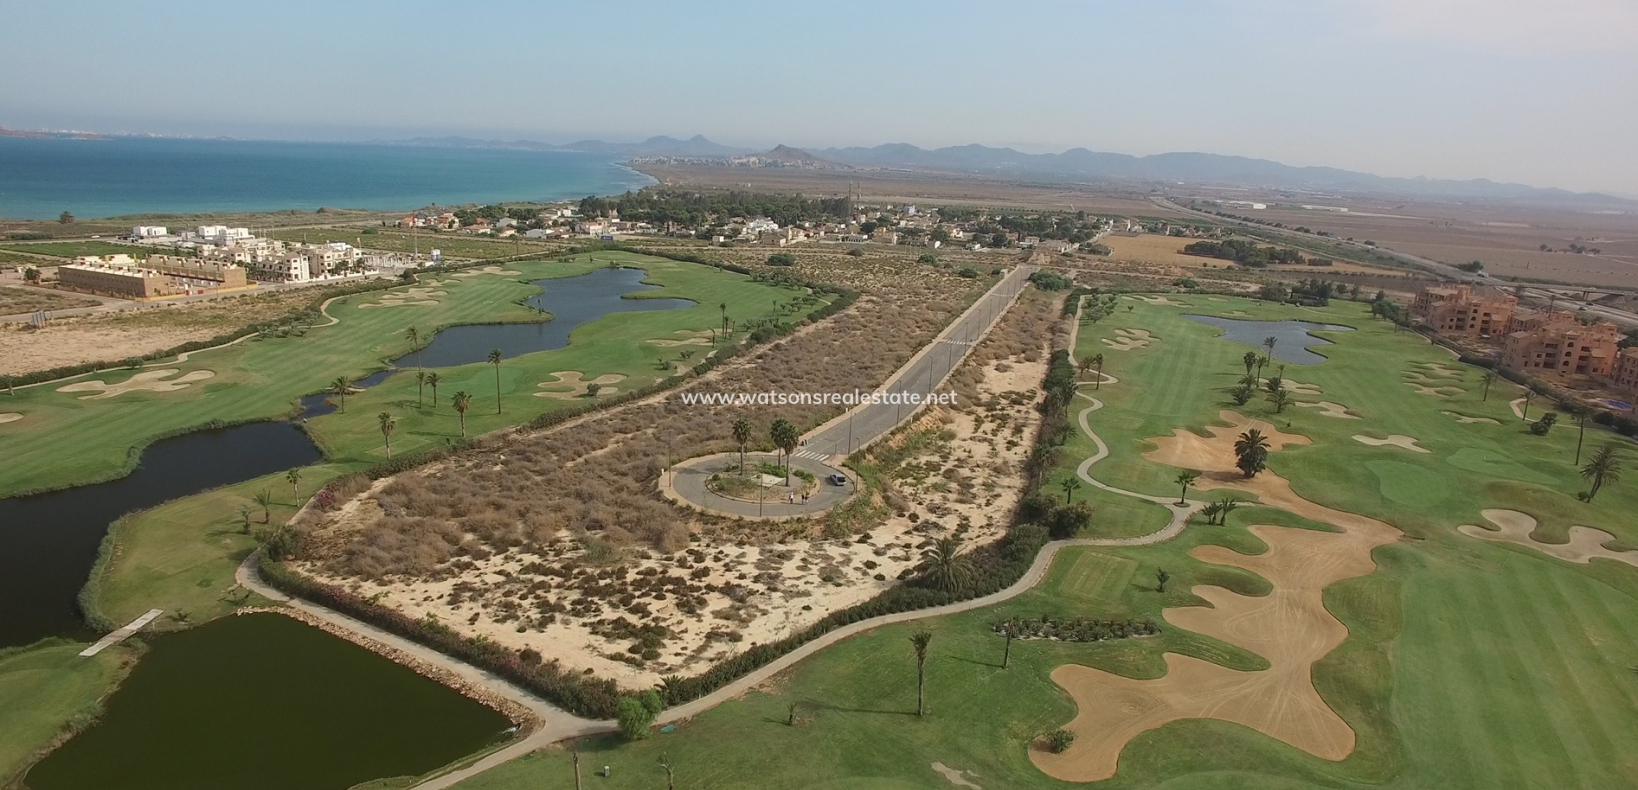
(262, 702)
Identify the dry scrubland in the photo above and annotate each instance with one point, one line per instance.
(923, 187)
(559, 540)
(130, 333)
(1507, 238)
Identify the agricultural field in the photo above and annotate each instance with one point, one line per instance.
(73, 249)
(15, 301)
(94, 420)
(1154, 248)
(1380, 580)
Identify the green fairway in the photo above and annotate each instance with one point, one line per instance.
(1467, 664)
(64, 439)
(40, 690)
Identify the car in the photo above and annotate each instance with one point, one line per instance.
(836, 479)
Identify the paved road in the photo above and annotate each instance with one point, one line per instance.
(921, 375)
(688, 480)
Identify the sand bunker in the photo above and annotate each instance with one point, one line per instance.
(1439, 369)
(1157, 299)
(10, 416)
(1586, 543)
(955, 776)
(1425, 385)
(495, 270)
(147, 380)
(1298, 388)
(1466, 420)
(1129, 339)
(1290, 627)
(1397, 440)
(416, 295)
(568, 384)
(1236, 313)
(1215, 453)
(1329, 409)
(691, 337)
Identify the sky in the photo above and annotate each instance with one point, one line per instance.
(1537, 93)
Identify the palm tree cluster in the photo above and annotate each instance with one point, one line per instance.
(1076, 629)
(1217, 512)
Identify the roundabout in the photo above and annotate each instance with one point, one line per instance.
(698, 483)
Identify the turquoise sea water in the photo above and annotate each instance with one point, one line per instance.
(40, 179)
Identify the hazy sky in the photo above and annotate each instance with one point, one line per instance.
(1541, 93)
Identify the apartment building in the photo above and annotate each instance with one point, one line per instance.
(1558, 343)
(1459, 310)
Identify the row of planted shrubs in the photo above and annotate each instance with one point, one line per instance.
(1075, 629)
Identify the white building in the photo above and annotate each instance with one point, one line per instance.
(148, 231)
(221, 235)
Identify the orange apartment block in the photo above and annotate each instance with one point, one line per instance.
(1459, 311)
(1625, 375)
(1558, 343)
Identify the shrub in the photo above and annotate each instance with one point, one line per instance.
(636, 720)
(781, 259)
(856, 252)
(927, 257)
(1059, 740)
(968, 272)
(1051, 281)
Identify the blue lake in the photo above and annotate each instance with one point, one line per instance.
(1292, 339)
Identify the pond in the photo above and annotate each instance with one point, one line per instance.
(572, 302)
(1292, 338)
(263, 702)
(48, 542)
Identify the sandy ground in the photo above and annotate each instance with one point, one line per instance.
(1426, 385)
(690, 337)
(65, 344)
(10, 416)
(146, 380)
(419, 295)
(1160, 299)
(1585, 544)
(1130, 339)
(495, 270)
(1298, 388)
(1329, 409)
(1189, 450)
(1466, 420)
(576, 386)
(740, 592)
(1290, 627)
(1395, 440)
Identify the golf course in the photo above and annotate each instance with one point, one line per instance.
(1375, 612)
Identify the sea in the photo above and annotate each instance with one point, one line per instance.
(120, 176)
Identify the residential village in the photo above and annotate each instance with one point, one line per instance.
(209, 259)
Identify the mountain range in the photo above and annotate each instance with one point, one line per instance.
(1076, 164)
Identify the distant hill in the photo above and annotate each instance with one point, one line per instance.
(1080, 163)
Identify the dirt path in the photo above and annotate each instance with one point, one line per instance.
(1290, 627)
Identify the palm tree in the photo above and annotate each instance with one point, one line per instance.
(461, 401)
(293, 477)
(432, 381)
(1250, 360)
(244, 519)
(1261, 361)
(1251, 452)
(1269, 343)
(1529, 395)
(495, 359)
(1603, 467)
(420, 383)
(1070, 485)
(389, 424)
(339, 389)
(786, 438)
(920, 641)
(1185, 478)
(943, 566)
(1085, 364)
(413, 335)
(1010, 631)
(1161, 577)
(1097, 362)
(1487, 378)
(264, 500)
(742, 435)
(1280, 399)
(1580, 413)
(1225, 506)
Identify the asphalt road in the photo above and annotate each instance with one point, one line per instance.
(689, 483)
(921, 375)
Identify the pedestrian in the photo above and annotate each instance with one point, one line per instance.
(790, 497)
(804, 497)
